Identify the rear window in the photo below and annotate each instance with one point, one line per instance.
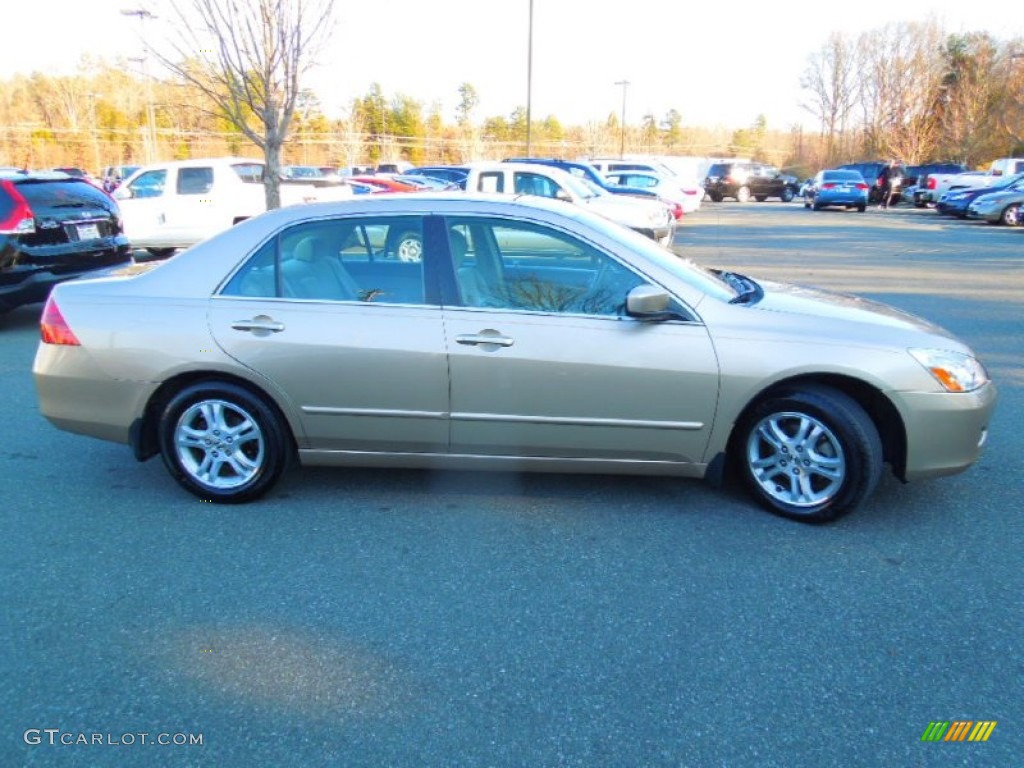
(65, 192)
(195, 181)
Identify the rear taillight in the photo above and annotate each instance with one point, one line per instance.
(54, 327)
(861, 185)
(931, 183)
(20, 220)
(828, 185)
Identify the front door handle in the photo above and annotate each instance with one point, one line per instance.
(484, 338)
(261, 324)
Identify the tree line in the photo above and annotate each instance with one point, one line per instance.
(911, 92)
(907, 91)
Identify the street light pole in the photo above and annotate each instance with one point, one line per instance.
(622, 126)
(144, 15)
(529, 81)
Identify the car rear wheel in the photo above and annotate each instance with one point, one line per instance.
(1011, 216)
(810, 454)
(222, 443)
(862, 207)
(743, 194)
(788, 195)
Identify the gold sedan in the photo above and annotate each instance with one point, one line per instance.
(530, 335)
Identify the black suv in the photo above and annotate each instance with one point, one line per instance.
(54, 227)
(742, 181)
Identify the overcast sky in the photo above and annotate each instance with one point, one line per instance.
(717, 63)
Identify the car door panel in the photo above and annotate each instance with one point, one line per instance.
(570, 386)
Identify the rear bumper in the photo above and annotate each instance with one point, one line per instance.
(76, 396)
(31, 285)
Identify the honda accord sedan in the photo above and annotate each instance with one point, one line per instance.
(532, 335)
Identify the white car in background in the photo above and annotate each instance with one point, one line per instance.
(651, 217)
(673, 188)
(172, 205)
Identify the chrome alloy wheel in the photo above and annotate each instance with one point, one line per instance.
(219, 444)
(409, 249)
(796, 459)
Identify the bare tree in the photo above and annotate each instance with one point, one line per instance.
(248, 57)
(830, 81)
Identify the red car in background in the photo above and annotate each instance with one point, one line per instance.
(387, 184)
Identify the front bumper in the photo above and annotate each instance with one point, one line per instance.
(985, 211)
(945, 431)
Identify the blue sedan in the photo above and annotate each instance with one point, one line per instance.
(843, 188)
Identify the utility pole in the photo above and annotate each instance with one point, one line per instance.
(622, 126)
(144, 15)
(529, 81)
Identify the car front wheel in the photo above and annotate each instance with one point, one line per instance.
(810, 454)
(788, 195)
(222, 443)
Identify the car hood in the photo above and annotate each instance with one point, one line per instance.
(800, 300)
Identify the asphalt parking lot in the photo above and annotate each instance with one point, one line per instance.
(399, 618)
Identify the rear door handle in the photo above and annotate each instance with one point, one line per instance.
(258, 324)
(476, 339)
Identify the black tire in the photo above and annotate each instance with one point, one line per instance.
(839, 456)
(817, 206)
(244, 469)
(760, 198)
(862, 207)
(161, 253)
(788, 195)
(1011, 215)
(715, 197)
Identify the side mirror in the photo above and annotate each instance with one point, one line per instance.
(648, 302)
(122, 193)
(563, 195)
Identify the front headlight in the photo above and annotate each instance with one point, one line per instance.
(955, 371)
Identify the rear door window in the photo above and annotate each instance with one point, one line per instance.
(62, 194)
(194, 181)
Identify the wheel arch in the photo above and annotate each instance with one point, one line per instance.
(883, 414)
(144, 439)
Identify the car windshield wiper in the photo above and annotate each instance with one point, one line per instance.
(747, 290)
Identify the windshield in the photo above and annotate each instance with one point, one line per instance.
(703, 279)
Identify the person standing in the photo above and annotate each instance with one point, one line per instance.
(890, 178)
